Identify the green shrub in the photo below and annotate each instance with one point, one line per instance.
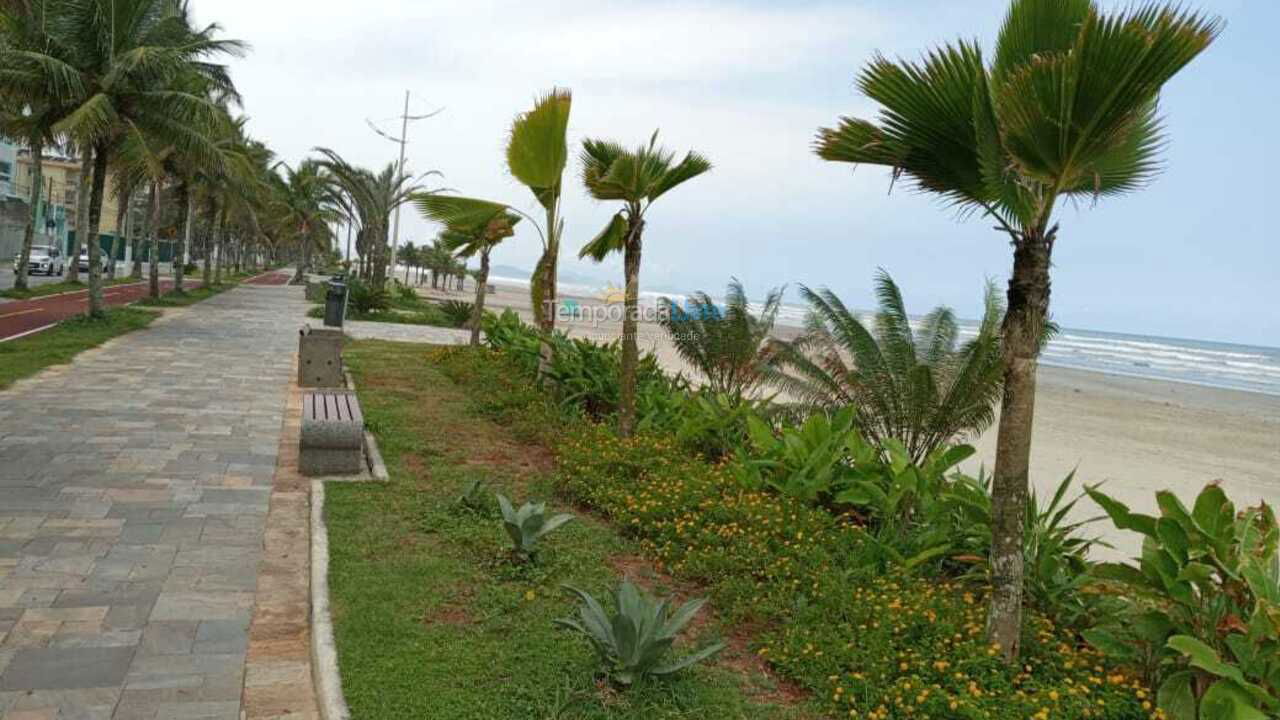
(1055, 550)
(528, 525)
(632, 640)
(1205, 605)
(364, 298)
(457, 312)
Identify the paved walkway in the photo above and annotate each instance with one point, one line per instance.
(134, 488)
(404, 332)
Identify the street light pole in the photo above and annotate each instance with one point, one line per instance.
(404, 135)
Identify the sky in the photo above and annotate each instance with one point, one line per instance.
(747, 83)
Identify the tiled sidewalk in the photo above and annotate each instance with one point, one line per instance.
(134, 489)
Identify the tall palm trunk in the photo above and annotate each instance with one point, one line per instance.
(545, 306)
(84, 189)
(100, 158)
(477, 312)
(153, 246)
(29, 234)
(630, 322)
(120, 238)
(184, 240)
(1024, 323)
(207, 270)
(220, 249)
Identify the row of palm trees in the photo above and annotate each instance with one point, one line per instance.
(134, 89)
(1065, 109)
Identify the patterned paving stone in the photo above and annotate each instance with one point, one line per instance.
(134, 490)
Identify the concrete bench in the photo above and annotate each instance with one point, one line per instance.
(332, 434)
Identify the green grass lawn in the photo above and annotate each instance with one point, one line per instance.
(434, 620)
(60, 287)
(29, 355)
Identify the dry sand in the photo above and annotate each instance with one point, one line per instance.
(1136, 435)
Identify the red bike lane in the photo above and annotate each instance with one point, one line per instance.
(24, 317)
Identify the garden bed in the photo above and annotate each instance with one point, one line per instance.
(856, 641)
(433, 619)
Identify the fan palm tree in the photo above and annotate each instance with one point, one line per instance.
(635, 178)
(537, 153)
(471, 227)
(727, 343)
(918, 386)
(1067, 108)
(134, 60)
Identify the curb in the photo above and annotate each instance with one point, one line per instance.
(324, 654)
(377, 468)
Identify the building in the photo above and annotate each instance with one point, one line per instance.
(13, 211)
(8, 167)
(60, 198)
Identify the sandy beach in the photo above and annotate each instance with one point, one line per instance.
(1135, 435)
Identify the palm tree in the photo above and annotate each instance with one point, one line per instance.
(36, 85)
(135, 60)
(1066, 109)
(303, 210)
(918, 386)
(372, 197)
(537, 153)
(471, 227)
(727, 343)
(635, 178)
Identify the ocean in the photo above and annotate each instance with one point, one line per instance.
(1200, 362)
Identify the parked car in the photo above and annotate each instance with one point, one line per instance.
(102, 259)
(45, 260)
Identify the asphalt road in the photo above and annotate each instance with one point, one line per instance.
(23, 317)
(7, 275)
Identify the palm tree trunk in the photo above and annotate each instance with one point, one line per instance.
(630, 318)
(207, 270)
(184, 241)
(220, 248)
(29, 234)
(153, 246)
(1024, 322)
(100, 158)
(122, 218)
(477, 312)
(84, 190)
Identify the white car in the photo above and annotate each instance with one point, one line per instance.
(45, 260)
(103, 260)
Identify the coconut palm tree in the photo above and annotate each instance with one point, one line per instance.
(635, 178)
(36, 88)
(918, 385)
(1066, 109)
(139, 81)
(303, 210)
(726, 342)
(471, 227)
(373, 197)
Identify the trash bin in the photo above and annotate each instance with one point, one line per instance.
(335, 302)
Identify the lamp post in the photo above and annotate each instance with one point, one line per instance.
(405, 117)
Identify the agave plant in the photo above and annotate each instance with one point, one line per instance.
(633, 640)
(529, 524)
(472, 497)
(917, 385)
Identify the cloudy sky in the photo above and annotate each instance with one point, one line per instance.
(747, 82)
